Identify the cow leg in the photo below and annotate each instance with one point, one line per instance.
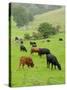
(51, 66)
(47, 64)
(23, 66)
(19, 64)
(55, 66)
(21, 49)
(39, 54)
(31, 52)
(28, 66)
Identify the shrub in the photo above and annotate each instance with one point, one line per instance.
(27, 36)
(46, 30)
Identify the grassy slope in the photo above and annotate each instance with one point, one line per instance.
(55, 17)
(39, 75)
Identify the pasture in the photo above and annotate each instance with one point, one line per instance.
(39, 74)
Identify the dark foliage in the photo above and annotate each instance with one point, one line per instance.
(47, 29)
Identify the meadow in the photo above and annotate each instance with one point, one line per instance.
(40, 74)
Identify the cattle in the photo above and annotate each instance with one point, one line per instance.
(51, 59)
(23, 48)
(31, 43)
(21, 42)
(48, 40)
(40, 51)
(16, 38)
(60, 39)
(43, 51)
(34, 50)
(26, 61)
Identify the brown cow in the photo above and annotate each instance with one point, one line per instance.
(34, 49)
(26, 61)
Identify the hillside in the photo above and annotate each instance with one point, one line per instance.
(55, 17)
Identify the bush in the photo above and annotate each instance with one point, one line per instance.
(27, 36)
(37, 35)
(46, 30)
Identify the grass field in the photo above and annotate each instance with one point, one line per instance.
(39, 75)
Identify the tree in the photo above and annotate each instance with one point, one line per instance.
(21, 16)
(46, 30)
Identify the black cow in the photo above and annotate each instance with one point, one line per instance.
(51, 59)
(21, 42)
(23, 48)
(60, 39)
(31, 43)
(48, 40)
(16, 38)
(43, 51)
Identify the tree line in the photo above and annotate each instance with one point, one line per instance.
(24, 13)
(45, 30)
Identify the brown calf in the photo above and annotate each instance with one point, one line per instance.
(26, 61)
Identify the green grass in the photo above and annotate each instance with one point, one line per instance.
(39, 75)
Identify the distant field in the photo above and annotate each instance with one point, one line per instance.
(55, 17)
(39, 75)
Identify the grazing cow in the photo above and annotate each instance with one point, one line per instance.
(34, 50)
(43, 51)
(60, 39)
(16, 38)
(48, 40)
(51, 59)
(21, 42)
(23, 48)
(31, 43)
(40, 51)
(26, 61)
